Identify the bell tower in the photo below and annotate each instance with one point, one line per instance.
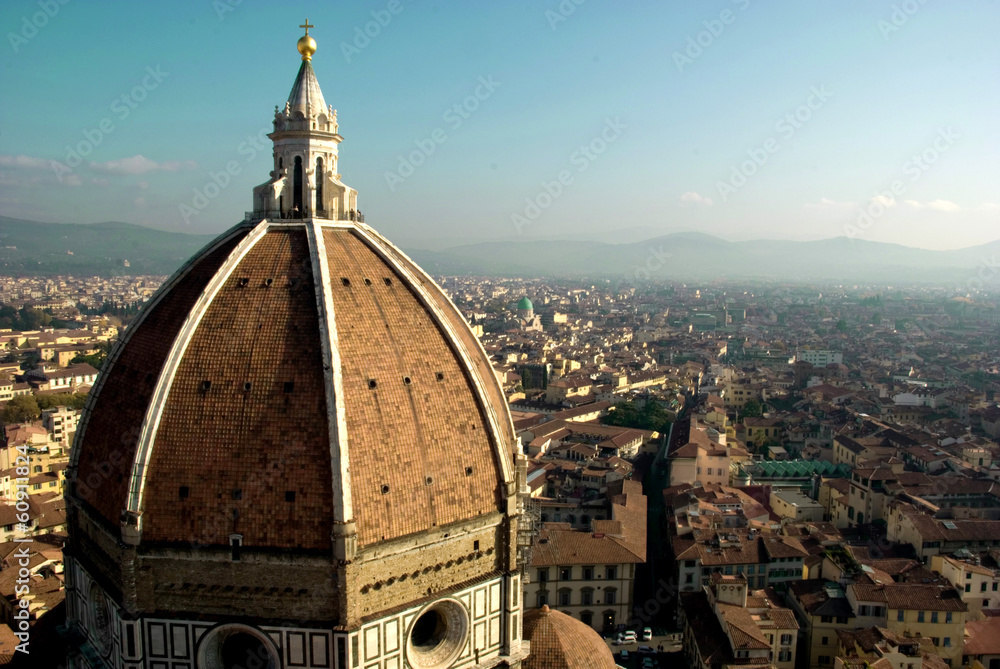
(304, 181)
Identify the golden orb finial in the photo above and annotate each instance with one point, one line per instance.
(306, 45)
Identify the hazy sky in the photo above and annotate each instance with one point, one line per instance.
(465, 121)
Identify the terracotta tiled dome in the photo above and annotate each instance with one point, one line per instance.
(291, 377)
(559, 641)
(299, 453)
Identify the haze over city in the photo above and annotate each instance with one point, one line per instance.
(470, 122)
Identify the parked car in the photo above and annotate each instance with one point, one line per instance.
(623, 655)
(647, 634)
(646, 650)
(650, 663)
(624, 638)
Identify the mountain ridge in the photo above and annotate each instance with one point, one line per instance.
(41, 248)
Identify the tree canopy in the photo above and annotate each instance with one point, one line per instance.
(95, 360)
(650, 417)
(26, 408)
(24, 318)
(69, 400)
(20, 409)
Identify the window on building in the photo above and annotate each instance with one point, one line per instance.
(920, 616)
(786, 639)
(543, 599)
(785, 656)
(934, 616)
(587, 617)
(587, 596)
(689, 578)
(729, 570)
(565, 573)
(841, 620)
(610, 595)
(982, 587)
(588, 573)
(947, 617)
(564, 596)
(968, 587)
(863, 610)
(900, 615)
(936, 640)
(994, 586)
(947, 642)
(826, 619)
(824, 660)
(543, 575)
(968, 576)
(611, 573)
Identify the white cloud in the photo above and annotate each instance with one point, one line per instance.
(139, 164)
(884, 200)
(99, 181)
(139, 202)
(73, 180)
(989, 206)
(937, 205)
(28, 162)
(694, 198)
(943, 205)
(827, 203)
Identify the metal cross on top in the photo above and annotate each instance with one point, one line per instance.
(306, 26)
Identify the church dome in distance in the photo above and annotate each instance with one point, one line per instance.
(525, 304)
(559, 641)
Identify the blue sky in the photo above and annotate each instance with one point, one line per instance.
(743, 119)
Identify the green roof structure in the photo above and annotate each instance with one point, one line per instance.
(797, 469)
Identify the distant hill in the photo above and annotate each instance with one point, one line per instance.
(699, 256)
(46, 249)
(102, 249)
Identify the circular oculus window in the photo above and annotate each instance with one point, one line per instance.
(438, 635)
(236, 647)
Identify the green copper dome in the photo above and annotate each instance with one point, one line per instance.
(525, 304)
